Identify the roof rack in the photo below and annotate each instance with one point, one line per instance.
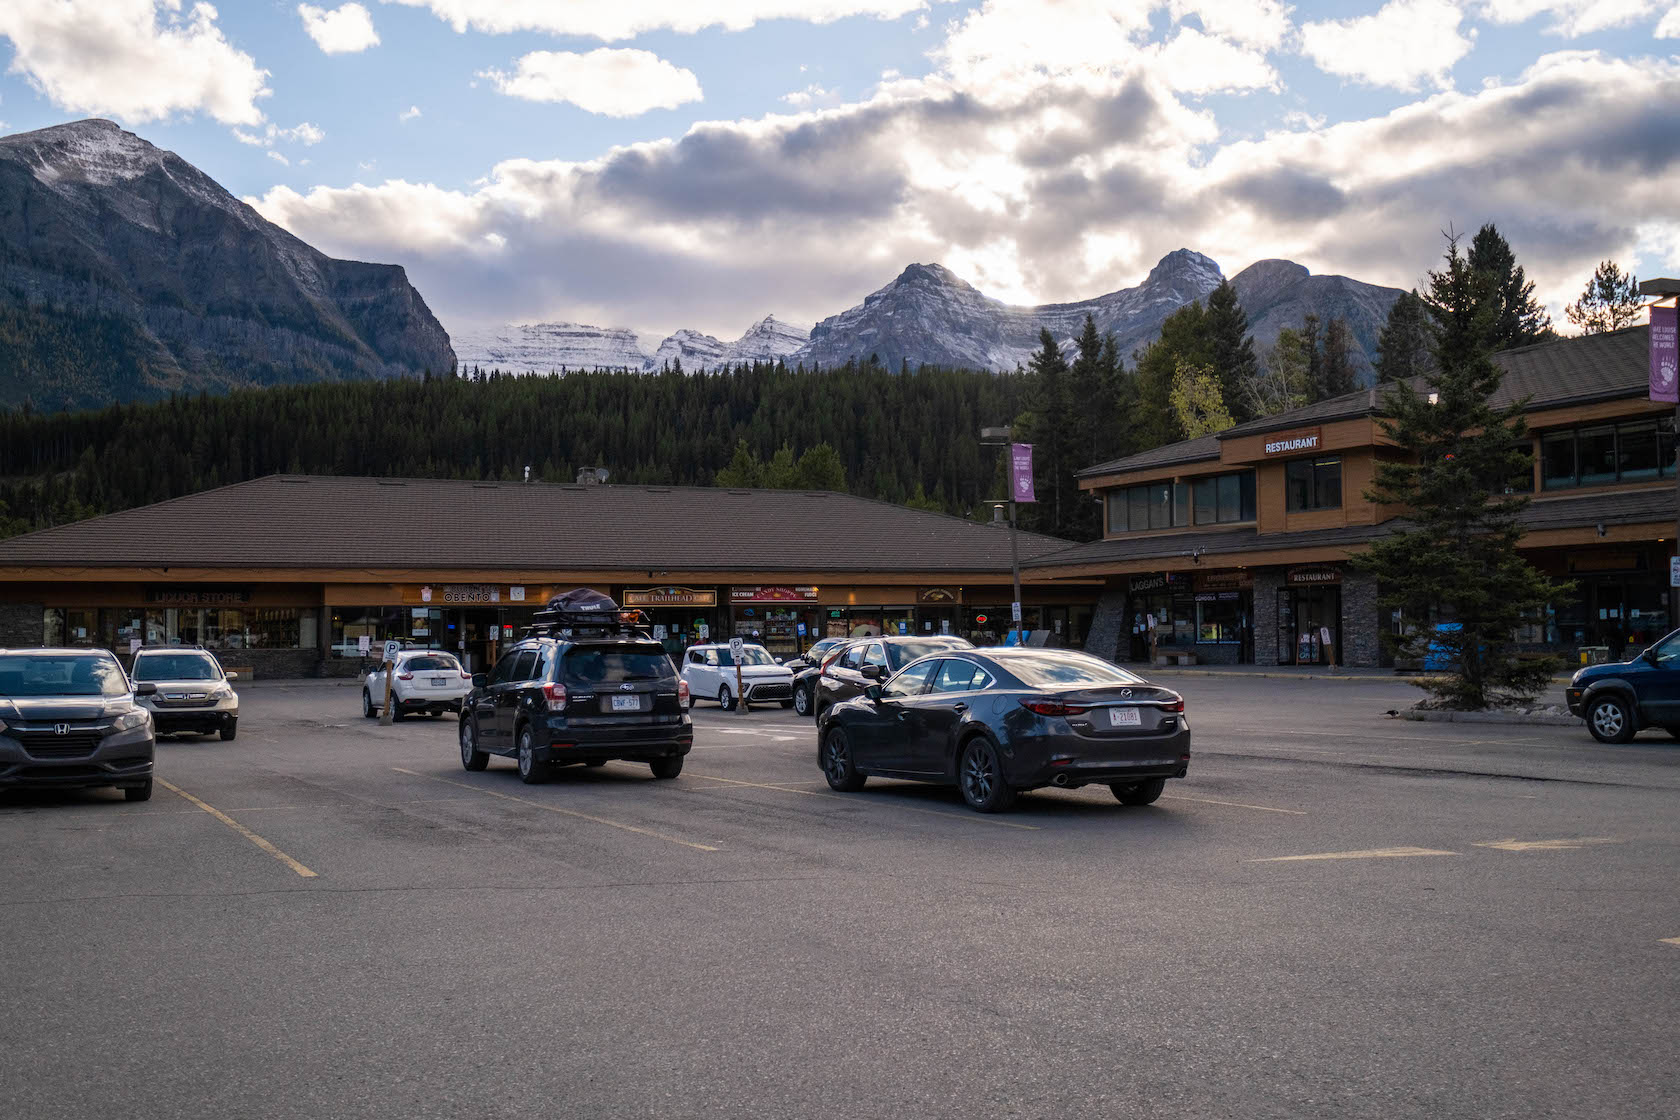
(554, 623)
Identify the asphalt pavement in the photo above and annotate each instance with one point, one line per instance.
(1338, 914)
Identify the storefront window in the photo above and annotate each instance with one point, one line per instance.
(1557, 460)
(279, 628)
(377, 624)
(1219, 617)
(1225, 498)
(1636, 451)
(1631, 452)
(1597, 450)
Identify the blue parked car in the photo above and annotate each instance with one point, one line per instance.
(1620, 699)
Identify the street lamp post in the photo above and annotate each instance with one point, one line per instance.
(1665, 288)
(1000, 437)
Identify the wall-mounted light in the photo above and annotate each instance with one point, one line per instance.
(1601, 529)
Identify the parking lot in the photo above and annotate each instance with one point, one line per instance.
(1337, 914)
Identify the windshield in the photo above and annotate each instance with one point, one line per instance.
(902, 653)
(60, 674)
(1067, 669)
(616, 665)
(175, 667)
(432, 663)
(752, 655)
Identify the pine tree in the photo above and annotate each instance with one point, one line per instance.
(1048, 402)
(1458, 564)
(1514, 317)
(1281, 383)
(1610, 301)
(1232, 349)
(744, 470)
(1337, 366)
(1090, 419)
(1405, 346)
(1183, 338)
(1312, 337)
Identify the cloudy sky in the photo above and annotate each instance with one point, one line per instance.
(659, 164)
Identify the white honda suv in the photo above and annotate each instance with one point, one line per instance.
(710, 672)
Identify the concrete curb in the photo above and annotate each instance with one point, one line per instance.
(1238, 674)
(1492, 717)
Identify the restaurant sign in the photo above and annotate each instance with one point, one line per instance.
(472, 593)
(671, 597)
(1293, 443)
(1315, 574)
(935, 595)
(1158, 581)
(772, 594)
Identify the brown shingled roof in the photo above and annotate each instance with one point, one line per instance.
(303, 521)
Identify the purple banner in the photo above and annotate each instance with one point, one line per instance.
(1020, 470)
(1665, 353)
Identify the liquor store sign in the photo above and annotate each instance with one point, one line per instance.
(198, 596)
(1293, 443)
(670, 597)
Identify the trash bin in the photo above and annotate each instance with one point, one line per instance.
(1595, 655)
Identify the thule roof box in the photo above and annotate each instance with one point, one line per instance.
(582, 613)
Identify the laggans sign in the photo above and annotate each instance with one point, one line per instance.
(1291, 442)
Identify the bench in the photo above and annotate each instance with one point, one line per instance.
(1171, 655)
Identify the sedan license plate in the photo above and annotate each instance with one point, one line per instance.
(1125, 717)
(438, 682)
(626, 703)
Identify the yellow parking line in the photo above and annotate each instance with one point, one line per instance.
(563, 812)
(972, 819)
(1232, 804)
(1670, 940)
(241, 829)
(1369, 853)
(1514, 845)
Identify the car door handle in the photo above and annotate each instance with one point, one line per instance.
(959, 707)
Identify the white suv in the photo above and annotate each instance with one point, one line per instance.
(422, 680)
(709, 671)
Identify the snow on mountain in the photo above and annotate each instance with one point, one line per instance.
(549, 348)
(767, 340)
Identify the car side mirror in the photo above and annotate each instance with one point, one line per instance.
(146, 688)
(233, 676)
(480, 679)
(873, 691)
(1650, 655)
(871, 672)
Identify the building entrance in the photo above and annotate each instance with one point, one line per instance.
(1310, 626)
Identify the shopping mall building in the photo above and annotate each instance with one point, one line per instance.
(297, 575)
(1233, 548)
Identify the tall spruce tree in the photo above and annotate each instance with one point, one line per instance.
(1458, 562)
(1048, 401)
(1514, 317)
(1336, 368)
(1091, 394)
(1405, 348)
(1232, 349)
(1312, 339)
(1610, 302)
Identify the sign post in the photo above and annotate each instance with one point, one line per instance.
(737, 649)
(1665, 386)
(392, 648)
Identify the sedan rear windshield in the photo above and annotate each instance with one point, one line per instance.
(175, 667)
(432, 663)
(69, 674)
(616, 665)
(1051, 672)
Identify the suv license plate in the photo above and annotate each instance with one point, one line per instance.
(1125, 717)
(438, 682)
(626, 703)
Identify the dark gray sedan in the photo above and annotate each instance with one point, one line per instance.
(997, 721)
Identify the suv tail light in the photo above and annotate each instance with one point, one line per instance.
(1046, 707)
(555, 693)
(682, 692)
(466, 676)
(405, 676)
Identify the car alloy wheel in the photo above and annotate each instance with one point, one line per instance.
(802, 701)
(367, 704)
(980, 776)
(837, 763)
(1609, 720)
(530, 770)
(471, 757)
(726, 700)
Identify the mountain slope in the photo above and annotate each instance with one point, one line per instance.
(1278, 294)
(928, 315)
(126, 273)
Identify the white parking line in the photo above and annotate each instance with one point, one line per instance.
(1232, 804)
(965, 817)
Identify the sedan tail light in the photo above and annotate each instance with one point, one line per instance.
(1046, 707)
(1173, 705)
(555, 693)
(682, 692)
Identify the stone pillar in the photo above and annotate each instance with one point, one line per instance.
(21, 625)
(1267, 582)
(1361, 633)
(1108, 625)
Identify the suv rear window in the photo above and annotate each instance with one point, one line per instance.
(590, 665)
(432, 662)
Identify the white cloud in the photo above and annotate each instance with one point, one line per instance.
(344, 31)
(1405, 44)
(611, 20)
(1253, 23)
(1199, 63)
(811, 96)
(1571, 18)
(408, 114)
(609, 81)
(278, 158)
(304, 133)
(1669, 28)
(133, 59)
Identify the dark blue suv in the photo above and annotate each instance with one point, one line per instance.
(1618, 700)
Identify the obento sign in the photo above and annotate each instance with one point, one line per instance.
(1665, 353)
(1293, 443)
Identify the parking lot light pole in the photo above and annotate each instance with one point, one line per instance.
(1665, 288)
(1000, 437)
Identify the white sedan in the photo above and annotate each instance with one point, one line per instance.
(710, 672)
(423, 680)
